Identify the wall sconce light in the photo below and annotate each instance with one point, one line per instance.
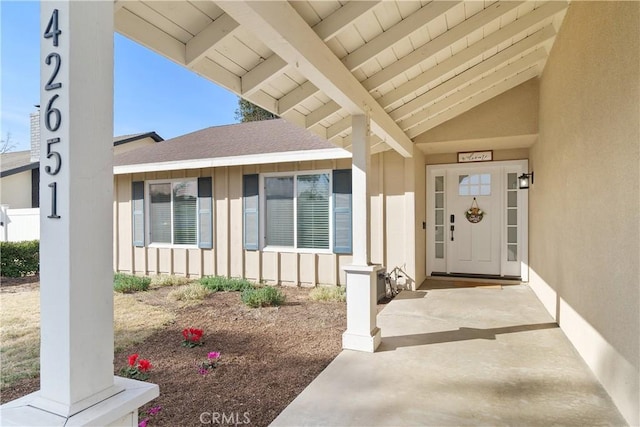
(524, 180)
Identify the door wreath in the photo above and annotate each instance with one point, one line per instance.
(474, 214)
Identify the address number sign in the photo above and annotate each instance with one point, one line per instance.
(52, 115)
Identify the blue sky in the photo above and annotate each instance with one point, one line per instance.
(151, 92)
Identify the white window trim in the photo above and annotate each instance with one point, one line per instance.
(147, 208)
(262, 213)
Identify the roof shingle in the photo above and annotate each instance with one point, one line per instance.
(270, 136)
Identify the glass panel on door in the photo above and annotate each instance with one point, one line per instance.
(439, 218)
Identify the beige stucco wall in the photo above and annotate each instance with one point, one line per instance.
(15, 190)
(584, 205)
(514, 112)
(393, 238)
(498, 155)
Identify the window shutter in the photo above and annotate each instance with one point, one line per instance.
(205, 214)
(137, 207)
(250, 212)
(342, 236)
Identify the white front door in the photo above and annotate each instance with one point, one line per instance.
(496, 244)
(474, 247)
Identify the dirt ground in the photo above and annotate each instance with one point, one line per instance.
(268, 356)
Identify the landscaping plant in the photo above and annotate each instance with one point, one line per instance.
(225, 284)
(191, 292)
(192, 337)
(152, 412)
(163, 280)
(328, 293)
(18, 259)
(262, 297)
(127, 283)
(138, 369)
(213, 358)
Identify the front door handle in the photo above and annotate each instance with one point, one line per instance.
(452, 220)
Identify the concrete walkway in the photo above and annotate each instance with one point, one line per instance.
(481, 356)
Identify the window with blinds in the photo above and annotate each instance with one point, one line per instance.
(173, 212)
(185, 201)
(313, 211)
(160, 213)
(279, 211)
(297, 211)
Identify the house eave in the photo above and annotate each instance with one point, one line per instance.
(251, 159)
(152, 135)
(27, 167)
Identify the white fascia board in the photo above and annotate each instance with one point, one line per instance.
(251, 159)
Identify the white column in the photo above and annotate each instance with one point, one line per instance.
(362, 333)
(76, 223)
(361, 165)
(76, 248)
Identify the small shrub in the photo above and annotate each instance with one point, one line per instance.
(328, 293)
(127, 283)
(19, 259)
(191, 292)
(220, 283)
(262, 297)
(161, 281)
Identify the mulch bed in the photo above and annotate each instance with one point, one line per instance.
(268, 356)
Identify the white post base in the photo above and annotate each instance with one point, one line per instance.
(362, 333)
(120, 409)
(367, 343)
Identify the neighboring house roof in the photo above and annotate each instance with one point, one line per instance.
(19, 161)
(16, 162)
(123, 139)
(269, 141)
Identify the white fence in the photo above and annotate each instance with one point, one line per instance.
(19, 224)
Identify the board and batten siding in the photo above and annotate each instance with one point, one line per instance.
(228, 256)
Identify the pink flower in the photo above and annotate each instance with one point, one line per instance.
(154, 410)
(213, 355)
(132, 359)
(203, 371)
(143, 423)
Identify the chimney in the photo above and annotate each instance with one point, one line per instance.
(34, 119)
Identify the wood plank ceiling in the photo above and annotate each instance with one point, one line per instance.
(410, 65)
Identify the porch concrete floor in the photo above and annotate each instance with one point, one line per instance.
(459, 356)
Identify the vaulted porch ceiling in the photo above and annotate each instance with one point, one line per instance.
(409, 65)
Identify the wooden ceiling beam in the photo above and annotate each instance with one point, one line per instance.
(474, 101)
(261, 74)
(282, 30)
(473, 88)
(494, 39)
(136, 28)
(396, 33)
(206, 40)
(333, 24)
(472, 73)
(443, 41)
